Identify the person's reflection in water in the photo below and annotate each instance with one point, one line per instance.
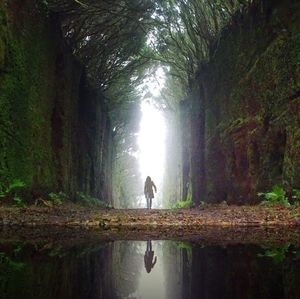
(148, 257)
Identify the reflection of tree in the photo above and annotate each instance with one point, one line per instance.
(173, 267)
(239, 272)
(277, 254)
(112, 271)
(9, 269)
(127, 266)
(56, 272)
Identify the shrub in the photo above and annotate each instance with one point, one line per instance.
(13, 191)
(183, 204)
(277, 254)
(12, 187)
(296, 196)
(276, 196)
(89, 201)
(57, 198)
(19, 202)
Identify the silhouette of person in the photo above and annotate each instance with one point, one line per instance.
(148, 191)
(148, 257)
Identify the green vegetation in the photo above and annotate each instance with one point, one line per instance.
(111, 46)
(19, 202)
(25, 145)
(13, 191)
(89, 201)
(278, 254)
(187, 246)
(9, 264)
(9, 269)
(11, 188)
(58, 198)
(183, 204)
(296, 197)
(278, 196)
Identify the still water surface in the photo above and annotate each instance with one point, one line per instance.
(148, 270)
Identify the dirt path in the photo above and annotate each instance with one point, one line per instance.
(212, 224)
(213, 215)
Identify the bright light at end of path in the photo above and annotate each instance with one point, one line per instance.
(151, 142)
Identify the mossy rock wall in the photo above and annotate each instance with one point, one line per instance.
(54, 129)
(252, 105)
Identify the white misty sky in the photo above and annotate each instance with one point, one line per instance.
(152, 134)
(151, 141)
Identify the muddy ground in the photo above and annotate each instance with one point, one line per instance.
(211, 224)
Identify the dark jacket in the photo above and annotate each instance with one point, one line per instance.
(148, 189)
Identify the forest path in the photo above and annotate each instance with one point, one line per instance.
(212, 223)
(71, 215)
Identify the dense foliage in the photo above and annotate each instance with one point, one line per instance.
(107, 36)
(184, 31)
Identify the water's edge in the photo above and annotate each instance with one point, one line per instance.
(210, 235)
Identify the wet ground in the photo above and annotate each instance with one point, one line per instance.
(211, 224)
(215, 215)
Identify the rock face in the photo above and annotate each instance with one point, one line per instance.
(245, 103)
(55, 133)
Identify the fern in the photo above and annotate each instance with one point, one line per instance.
(58, 198)
(296, 196)
(12, 187)
(276, 196)
(19, 202)
(89, 201)
(183, 204)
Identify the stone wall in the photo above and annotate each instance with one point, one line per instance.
(246, 107)
(55, 134)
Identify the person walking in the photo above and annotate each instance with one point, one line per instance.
(148, 191)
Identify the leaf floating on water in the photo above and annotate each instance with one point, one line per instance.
(82, 4)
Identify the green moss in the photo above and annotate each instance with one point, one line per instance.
(291, 169)
(183, 204)
(252, 115)
(26, 106)
(2, 51)
(39, 98)
(295, 52)
(3, 32)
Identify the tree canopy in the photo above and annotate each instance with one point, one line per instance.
(183, 32)
(114, 38)
(108, 36)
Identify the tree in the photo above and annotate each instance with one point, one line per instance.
(108, 36)
(183, 32)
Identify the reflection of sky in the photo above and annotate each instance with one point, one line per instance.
(152, 285)
(131, 279)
